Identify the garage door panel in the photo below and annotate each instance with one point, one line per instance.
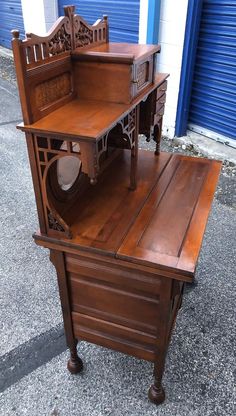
(213, 102)
(123, 16)
(10, 18)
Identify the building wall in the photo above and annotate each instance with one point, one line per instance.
(39, 15)
(171, 37)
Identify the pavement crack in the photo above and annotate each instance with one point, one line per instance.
(4, 123)
(27, 357)
(8, 91)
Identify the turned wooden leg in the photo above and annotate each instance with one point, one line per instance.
(157, 137)
(133, 170)
(75, 364)
(134, 154)
(156, 392)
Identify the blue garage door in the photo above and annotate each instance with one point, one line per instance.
(10, 18)
(213, 100)
(123, 16)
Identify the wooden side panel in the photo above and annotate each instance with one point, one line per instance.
(50, 86)
(114, 306)
(103, 82)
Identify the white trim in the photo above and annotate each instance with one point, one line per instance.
(173, 16)
(212, 135)
(34, 17)
(39, 16)
(143, 21)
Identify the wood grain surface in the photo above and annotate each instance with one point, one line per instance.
(161, 224)
(88, 119)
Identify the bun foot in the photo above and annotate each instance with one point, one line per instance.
(75, 365)
(156, 395)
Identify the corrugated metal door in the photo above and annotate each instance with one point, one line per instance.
(123, 16)
(213, 99)
(10, 18)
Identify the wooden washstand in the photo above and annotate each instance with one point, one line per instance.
(124, 227)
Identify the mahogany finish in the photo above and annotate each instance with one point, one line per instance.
(124, 227)
(125, 70)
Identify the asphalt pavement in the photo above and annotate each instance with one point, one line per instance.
(200, 369)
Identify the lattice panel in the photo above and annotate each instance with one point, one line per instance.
(128, 126)
(52, 90)
(142, 74)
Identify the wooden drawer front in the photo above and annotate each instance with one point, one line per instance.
(114, 273)
(161, 90)
(159, 114)
(114, 336)
(143, 74)
(112, 302)
(160, 103)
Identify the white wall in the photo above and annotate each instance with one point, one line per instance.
(171, 37)
(39, 15)
(143, 19)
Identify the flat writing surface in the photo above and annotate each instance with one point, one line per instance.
(86, 119)
(103, 216)
(166, 230)
(159, 226)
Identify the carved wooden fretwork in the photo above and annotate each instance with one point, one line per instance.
(83, 34)
(142, 74)
(68, 33)
(128, 124)
(54, 224)
(39, 48)
(120, 136)
(60, 42)
(49, 151)
(52, 90)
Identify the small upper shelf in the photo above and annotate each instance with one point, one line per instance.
(82, 119)
(115, 52)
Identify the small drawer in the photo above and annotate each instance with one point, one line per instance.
(161, 111)
(158, 115)
(160, 103)
(161, 90)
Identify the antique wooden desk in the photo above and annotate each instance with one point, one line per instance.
(124, 227)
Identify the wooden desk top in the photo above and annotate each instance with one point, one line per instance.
(160, 225)
(115, 52)
(86, 119)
